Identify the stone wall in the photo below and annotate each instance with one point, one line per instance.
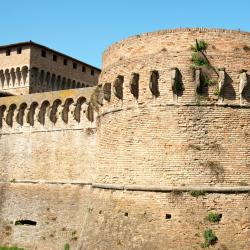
(166, 144)
(14, 75)
(127, 178)
(165, 220)
(54, 75)
(46, 164)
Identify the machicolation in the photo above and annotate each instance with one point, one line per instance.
(156, 156)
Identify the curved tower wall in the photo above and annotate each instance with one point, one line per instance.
(154, 149)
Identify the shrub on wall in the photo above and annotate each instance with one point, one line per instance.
(213, 217)
(196, 193)
(210, 238)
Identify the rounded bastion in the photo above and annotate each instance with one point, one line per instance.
(174, 124)
(162, 138)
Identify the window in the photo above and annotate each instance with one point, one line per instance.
(43, 53)
(54, 58)
(92, 72)
(65, 61)
(8, 52)
(74, 65)
(25, 222)
(83, 69)
(19, 50)
(168, 216)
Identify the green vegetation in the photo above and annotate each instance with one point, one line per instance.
(197, 193)
(11, 248)
(66, 246)
(243, 71)
(217, 92)
(198, 60)
(214, 217)
(210, 238)
(208, 81)
(199, 46)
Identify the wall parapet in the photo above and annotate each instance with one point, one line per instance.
(47, 111)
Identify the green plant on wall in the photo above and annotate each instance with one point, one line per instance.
(217, 92)
(197, 193)
(213, 217)
(200, 61)
(198, 57)
(66, 246)
(199, 46)
(210, 238)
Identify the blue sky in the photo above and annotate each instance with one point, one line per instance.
(83, 29)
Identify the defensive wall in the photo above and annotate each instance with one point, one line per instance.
(163, 133)
(47, 157)
(117, 167)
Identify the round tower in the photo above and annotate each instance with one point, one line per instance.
(173, 142)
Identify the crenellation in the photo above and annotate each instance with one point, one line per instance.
(47, 113)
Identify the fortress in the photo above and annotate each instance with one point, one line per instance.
(139, 161)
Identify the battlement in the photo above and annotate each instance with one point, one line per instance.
(171, 87)
(183, 93)
(163, 68)
(47, 111)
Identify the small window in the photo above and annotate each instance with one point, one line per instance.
(74, 65)
(25, 222)
(8, 52)
(92, 72)
(83, 69)
(43, 53)
(168, 216)
(19, 50)
(54, 58)
(65, 61)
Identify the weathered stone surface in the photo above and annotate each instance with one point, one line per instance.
(123, 178)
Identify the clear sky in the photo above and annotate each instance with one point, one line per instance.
(84, 28)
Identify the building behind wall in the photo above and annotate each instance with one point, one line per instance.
(29, 67)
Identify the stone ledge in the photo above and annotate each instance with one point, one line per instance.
(234, 106)
(209, 189)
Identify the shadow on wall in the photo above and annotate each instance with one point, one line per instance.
(229, 92)
(246, 91)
